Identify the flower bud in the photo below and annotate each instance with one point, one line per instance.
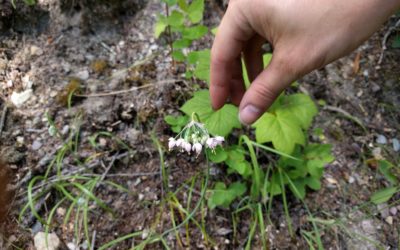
(171, 143)
(219, 139)
(179, 142)
(211, 143)
(187, 146)
(197, 148)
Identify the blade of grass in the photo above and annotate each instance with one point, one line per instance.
(315, 227)
(273, 150)
(256, 176)
(251, 234)
(285, 205)
(31, 199)
(261, 224)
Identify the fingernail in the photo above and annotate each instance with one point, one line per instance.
(249, 114)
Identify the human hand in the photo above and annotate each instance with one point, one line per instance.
(305, 35)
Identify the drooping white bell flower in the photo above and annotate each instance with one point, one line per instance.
(211, 143)
(219, 139)
(179, 142)
(197, 147)
(171, 143)
(187, 146)
(194, 137)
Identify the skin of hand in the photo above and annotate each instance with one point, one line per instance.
(305, 35)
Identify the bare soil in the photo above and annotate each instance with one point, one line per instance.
(108, 46)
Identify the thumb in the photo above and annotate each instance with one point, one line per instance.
(264, 90)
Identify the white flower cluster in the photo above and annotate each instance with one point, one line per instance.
(194, 137)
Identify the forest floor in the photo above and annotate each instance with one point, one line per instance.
(114, 132)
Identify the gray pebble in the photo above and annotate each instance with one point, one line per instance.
(381, 139)
(65, 130)
(396, 145)
(393, 211)
(375, 87)
(83, 75)
(36, 145)
(37, 227)
(383, 210)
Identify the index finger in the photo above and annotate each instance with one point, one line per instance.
(233, 31)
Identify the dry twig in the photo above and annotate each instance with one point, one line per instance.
(385, 38)
(3, 118)
(120, 92)
(347, 115)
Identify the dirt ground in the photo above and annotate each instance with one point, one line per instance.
(127, 84)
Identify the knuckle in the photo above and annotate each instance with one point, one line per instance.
(218, 58)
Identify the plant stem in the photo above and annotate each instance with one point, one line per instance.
(170, 39)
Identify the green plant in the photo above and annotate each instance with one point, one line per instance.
(74, 190)
(183, 23)
(28, 2)
(222, 196)
(285, 125)
(383, 195)
(396, 42)
(176, 122)
(297, 164)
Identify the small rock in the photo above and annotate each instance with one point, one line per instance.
(126, 115)
(45, 160)
(36, 145)
(137, 182)
(12, 239)
(10, 84)
(53, 93)
(145, 234)
(223, 231)
(356, 148)
(375, 87)
(36, 51)
(85, 245)
(65, 130)
(332, 183)
(27, 82)
(66, 67)
(3, 64)
(383, 210)
(83, 75)
(381, 139)
(72, 246)
(11, 155)
(141, 197)
(351, 179)
(377, 153)
(20, 98)
(37, 227)
(61, 211)
(20, 140)
(154, 47)
(52, 243)
(133, 135)
(368, 226)
(389, 220)
(396, 145)
(393, 211)
(102, 142)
